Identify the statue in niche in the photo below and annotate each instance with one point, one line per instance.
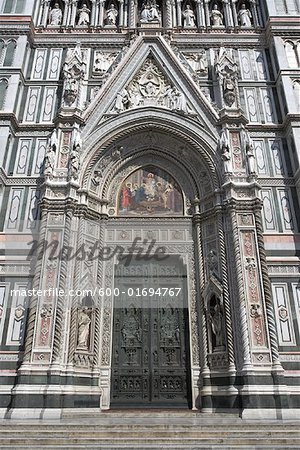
(244, 16)
(150, 12)
(84, 15)
(229, 89)
(73, 72)
(250, 153)
(217, 17)
(55, 15)
(74, 162)
(216, 317)
(225, 151)
(49, 162)
(84, 325)
(111, 15)
(188, 17)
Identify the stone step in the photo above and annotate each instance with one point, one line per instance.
(149, 430)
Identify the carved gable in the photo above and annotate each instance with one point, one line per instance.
(150, 87)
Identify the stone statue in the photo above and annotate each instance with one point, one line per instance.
(73, 72)
(122, 101)
(244, 16)
(250, 153)
(84, 15)
(217, 325)
(180, 103)
(225, 151)
(229, 93)
(74, 162)
(111, 15)
(49, 162)
(188, 17)
(150, 12)
(217, 17)
(84, 324)
(55, 15)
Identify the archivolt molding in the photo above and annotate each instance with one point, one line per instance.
(200, 148)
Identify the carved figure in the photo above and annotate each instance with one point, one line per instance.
(49, 162)
(150, 12)
(250, 153)
(189, 17)
(74, 162)
(217, 17)
(55, 15)
(225, 151)
(102, 62)
(198, 62)
(84, 324)
(84, 15)
(180, 103)
(229, 89)
(121, 101)
(73, 72)
(217, 325)
(111, 15)
(244, 16)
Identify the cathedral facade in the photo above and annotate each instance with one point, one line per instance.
(150, 205)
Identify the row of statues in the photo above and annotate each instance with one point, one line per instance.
(244, 17)
(83, 15)
(149, 13)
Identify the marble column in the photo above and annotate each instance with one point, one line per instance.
(234, 13)
(121, 13)
(179, 13)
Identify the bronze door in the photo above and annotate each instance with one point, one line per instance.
(150, 356)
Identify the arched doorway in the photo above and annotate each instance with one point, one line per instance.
(150, 364)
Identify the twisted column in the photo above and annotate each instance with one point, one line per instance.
(226, 300)
(96, 360)
(267, 291)
(61, 302)
(244, 328)
(35, 285)
(204, 340)
(77, 278)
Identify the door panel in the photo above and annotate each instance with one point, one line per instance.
(150, 364)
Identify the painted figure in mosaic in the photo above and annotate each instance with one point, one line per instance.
(245, 16)
(189, 17)
(217, 17)
(55, 15)
(111, 15)
(84, 324)
(84, 15)
(149, 192)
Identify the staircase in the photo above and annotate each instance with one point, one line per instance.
(116, 430)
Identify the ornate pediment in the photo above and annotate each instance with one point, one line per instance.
(150, 87)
